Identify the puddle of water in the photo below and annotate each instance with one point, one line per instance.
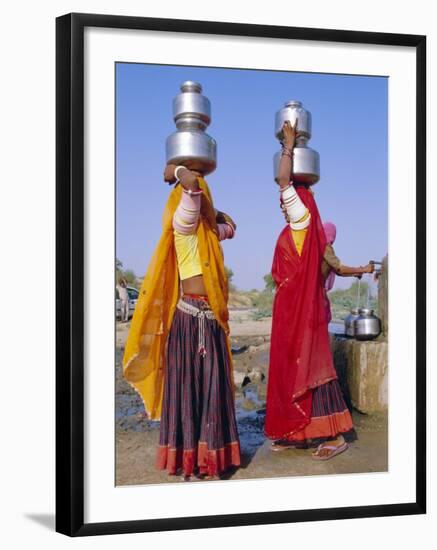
(251, 393)
(336, 328)
(250, 415)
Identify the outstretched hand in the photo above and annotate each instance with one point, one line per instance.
(369, 268)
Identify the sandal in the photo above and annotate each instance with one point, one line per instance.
(336, 450)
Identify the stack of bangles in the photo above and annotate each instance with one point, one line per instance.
(296, 210)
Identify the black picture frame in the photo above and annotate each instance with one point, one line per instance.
(70, 273)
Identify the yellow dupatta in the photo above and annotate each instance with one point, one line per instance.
(144, 355)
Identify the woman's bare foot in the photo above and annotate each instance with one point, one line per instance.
(282, 445)
(279, 445)
(212, 478)
(205, 477)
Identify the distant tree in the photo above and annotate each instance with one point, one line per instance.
(263, 301)
(230, 275)
(127, 274)
(130, 277)
(343, 300)
(269, 283)
(118, 269)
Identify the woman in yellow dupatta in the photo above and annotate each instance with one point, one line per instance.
(177, 353)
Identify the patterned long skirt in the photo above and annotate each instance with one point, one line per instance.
(330, 417)
(198, 432)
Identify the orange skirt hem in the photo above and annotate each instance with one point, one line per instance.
(324, 426)
(210, 462)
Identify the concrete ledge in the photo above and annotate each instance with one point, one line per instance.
(363, 367)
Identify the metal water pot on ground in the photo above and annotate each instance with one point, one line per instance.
(367, 326)
(306, 161)
(190, 145)
(362, 323)
(349, 328)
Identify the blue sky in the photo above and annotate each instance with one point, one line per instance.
(349, 131)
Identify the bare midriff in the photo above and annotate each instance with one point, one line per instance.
(194, 285)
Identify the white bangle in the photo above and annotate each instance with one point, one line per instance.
(192, 193)
(282, 189)
(298, 226)
(177, 170)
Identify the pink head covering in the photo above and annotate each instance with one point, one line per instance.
(330, 232)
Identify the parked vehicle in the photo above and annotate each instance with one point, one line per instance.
(133, 298)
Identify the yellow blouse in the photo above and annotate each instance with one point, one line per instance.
(187, 253)
(300, 234)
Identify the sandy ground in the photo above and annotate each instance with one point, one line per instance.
(136, 456)
(137, 437)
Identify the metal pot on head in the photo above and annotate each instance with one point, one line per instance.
(191, 104)
(190, 145)
(292, 111)
(306, 161)
(306, 165)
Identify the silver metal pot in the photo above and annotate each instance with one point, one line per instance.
(193, 149)
(306, 165)
(367, 326)
(291, 111)
(190, 146)
(191, 106)
(306, 161)
(349, 328)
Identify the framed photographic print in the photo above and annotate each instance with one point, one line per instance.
(240, 274)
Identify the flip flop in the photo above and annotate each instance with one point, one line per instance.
(337, 451)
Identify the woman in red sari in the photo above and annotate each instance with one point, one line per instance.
(305, 405)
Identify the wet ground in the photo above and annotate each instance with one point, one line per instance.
(137, 437)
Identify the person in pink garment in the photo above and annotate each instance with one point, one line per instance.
(332, 266)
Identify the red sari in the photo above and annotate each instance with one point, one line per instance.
(300, 353)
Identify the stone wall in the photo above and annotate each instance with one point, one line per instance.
(362, 369)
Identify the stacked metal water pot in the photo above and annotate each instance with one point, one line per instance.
(190, 145)
(306, 161)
